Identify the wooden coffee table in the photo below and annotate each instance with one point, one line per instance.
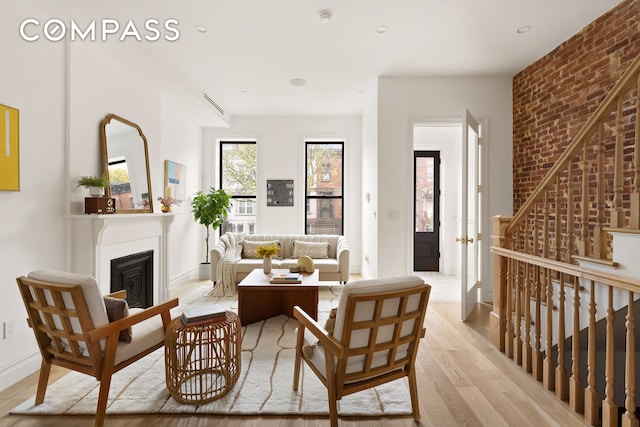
(259, 300)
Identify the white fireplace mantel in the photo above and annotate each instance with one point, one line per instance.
(96, 239)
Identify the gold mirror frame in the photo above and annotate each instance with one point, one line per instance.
(119, 143)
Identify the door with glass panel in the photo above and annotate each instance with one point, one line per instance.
(426, 211)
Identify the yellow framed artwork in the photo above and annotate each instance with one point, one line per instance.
(9, 149)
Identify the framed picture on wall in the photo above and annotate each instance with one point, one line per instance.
(9, 145)
(279, 192)
(175, 180)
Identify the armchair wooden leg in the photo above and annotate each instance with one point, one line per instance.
(333, 405)
(296, 367)
(105, 379)
(43, 380)
(413, 390)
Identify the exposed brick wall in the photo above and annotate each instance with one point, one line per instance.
(555, 96)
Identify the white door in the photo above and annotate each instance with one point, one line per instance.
(468, 234)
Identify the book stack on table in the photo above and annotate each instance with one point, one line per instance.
(286, 278)
(203, 314)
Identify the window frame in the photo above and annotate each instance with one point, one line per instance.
(322, 197)
(221, 144)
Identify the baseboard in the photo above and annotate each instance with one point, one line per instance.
(20, 369)
(181, 279)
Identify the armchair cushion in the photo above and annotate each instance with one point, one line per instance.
(91, 292)
(118, 308)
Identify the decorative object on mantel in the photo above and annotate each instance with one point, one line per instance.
(266, 252)
(166, 203)
(10, 143)
(99, 205)
(210, 210)
(125, 162)
(95, 184)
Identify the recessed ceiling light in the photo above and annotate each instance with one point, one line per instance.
(325, 16)
(361, 90)
(201, 28)
(243, 91)
(524, 29)
(298, 82)
(382, 29)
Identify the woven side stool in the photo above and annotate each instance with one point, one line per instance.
(202, 361)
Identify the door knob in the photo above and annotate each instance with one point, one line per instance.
(464, 240)
(460, 239)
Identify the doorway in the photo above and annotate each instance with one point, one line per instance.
(426, 211)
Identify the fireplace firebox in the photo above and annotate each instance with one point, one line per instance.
(134, 273)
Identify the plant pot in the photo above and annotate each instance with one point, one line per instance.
(204, 273)
(96, 191)
(266, 264)
(165, 208)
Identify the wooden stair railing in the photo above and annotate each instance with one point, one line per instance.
(542, 296)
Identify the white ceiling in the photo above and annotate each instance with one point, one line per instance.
(253, 48)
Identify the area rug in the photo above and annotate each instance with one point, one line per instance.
(263, 388)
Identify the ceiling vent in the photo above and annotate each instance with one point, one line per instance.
(212, 102)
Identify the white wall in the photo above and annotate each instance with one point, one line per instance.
(280, 152)
(32, 230)
(369, 173)
(403, 102)
(63, 90)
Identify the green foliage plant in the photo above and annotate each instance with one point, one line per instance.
(93, 181)
(210, 210)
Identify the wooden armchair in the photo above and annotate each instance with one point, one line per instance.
(70, 322)
(378, 326)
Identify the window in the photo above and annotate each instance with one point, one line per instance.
(323, 191)
(238, 163)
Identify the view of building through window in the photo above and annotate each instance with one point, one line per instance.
(323, 191)
(238, 167)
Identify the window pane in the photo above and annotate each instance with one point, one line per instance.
(238, 163)
(324, 216)
(238, 168)
(424, 194)
(324, 169)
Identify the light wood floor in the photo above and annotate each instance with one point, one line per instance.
(462, 380)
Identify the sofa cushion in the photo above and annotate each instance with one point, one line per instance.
(249, 248)
(315, 250)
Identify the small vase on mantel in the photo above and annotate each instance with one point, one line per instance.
(165, 208)
(266, 264)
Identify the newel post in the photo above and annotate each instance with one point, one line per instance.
(498, 318)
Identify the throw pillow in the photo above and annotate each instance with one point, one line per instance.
(118, 309)
(249, 248)
(311, 249)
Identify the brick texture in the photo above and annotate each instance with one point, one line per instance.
(555, 96)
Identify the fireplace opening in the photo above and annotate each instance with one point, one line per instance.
(134, 273)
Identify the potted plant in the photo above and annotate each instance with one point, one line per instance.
(95, 184)
(210, 210)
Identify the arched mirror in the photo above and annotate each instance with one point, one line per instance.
(126, 165)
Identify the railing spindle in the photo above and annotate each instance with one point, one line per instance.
(562, 388)
(599, 235)
(557, 221)
(548, 377)
(634, 216)
(526, 345)
(583, 245)
(508, 339)
(570, 230)
(536, 362)
(617, 214)
(576, 392)
(517, 340)
(629, 417)
(591, 397)
(609, 407)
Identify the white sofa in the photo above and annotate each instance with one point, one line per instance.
(334, 267)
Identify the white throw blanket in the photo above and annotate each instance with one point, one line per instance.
(227, 266)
